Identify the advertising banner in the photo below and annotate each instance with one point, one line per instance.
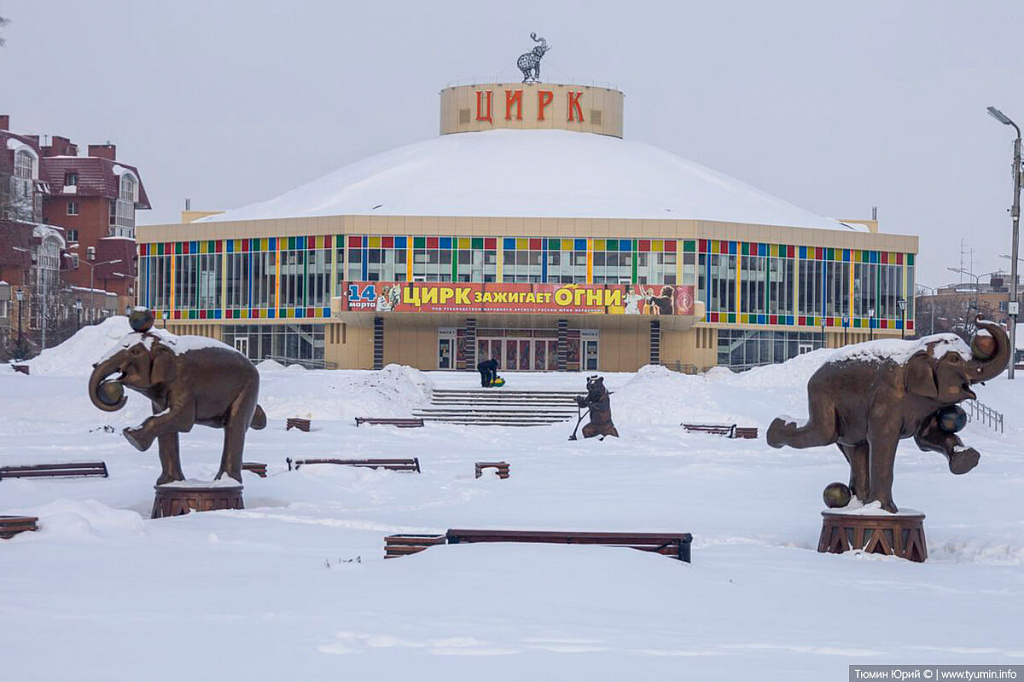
(475, 297)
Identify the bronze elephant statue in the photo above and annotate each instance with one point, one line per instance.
(869, 396)
(189, 380)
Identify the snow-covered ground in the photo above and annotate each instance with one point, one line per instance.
(295, 587)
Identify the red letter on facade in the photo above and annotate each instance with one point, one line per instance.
(480, 115)
(574, 107)
(544, 98)
(514, 97)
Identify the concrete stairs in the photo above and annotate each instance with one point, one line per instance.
(499, 407)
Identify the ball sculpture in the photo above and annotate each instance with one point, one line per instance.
(952, 419)
(110, 392)
(983, 347)
(141, 319)
(837, 495)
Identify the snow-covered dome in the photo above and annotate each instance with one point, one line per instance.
(533, 174)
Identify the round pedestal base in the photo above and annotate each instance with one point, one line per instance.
(175, 499)
(899, 535)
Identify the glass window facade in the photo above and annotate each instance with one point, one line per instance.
(746, 348)
(779, 284)
(292, 342)
(269, 278)
(738, 282)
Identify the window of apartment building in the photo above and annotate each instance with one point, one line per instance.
(23, 203)
(72, 236)
(72, 208)
(124, 216)
(24, 164)
(71, 179)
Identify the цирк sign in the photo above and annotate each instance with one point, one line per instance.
(475, 297)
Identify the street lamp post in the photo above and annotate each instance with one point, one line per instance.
(1012, 305)
(78, 314)
(871, 324)
(901, 303)
(19, 295)
(92, 272)
(931, 306)
(92, 269)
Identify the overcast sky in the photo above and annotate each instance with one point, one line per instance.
(835, 107)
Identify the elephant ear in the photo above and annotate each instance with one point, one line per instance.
(164, 367)
(919, 378)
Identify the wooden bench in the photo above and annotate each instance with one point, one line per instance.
(401, 545)
(675, 545)
(12, 525)
(297, 423)
(258, 468)
(55, 470)
(745, 432)
(20, 368)
(390, 464)
(715, 429)
(502, 468)
(400, 423)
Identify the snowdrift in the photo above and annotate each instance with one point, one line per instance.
(76, 356)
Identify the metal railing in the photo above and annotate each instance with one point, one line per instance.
(981, 412)
(679, 366)
(308, 364)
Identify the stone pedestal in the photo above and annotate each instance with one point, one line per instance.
(182, 497)
(899, 534)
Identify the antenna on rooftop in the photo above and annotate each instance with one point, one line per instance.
(188, 204)
(874, 213)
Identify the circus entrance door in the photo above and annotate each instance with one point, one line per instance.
(519, 349)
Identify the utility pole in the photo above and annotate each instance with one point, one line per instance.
(1012, 305)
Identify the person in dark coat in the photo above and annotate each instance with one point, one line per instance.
(488, 372)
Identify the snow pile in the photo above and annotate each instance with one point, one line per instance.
(179, 345)
(899, 351)
(76, 356)
(270, 366)
(794, 373)
(582, 176)
(657, 395)
(73, 519)
(392, 392)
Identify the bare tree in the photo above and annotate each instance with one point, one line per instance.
(951, 313)
(3, 22)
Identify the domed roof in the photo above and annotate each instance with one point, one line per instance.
(536, 174)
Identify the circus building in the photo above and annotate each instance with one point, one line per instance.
(532, 231)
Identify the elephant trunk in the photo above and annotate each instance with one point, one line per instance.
(100, 372)
(983, 370)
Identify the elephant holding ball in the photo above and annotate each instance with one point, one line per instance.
(189, 380)
(869, 396)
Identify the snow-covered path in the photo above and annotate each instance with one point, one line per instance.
(295, 587)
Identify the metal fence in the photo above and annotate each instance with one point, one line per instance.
(984, 414)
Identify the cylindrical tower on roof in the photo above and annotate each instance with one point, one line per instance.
(541, 106)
